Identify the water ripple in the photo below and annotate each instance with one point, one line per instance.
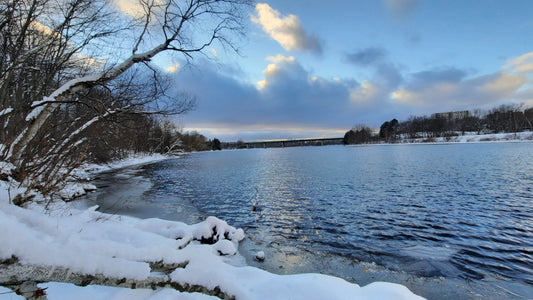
(463, 211)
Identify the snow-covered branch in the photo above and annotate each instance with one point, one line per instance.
(6, 111)
(59, 101)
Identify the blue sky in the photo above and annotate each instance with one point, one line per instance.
(316, 68)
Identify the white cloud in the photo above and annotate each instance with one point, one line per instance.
(262, 84)
(386, 78)
(451, 89)
(83, 60)
(136, 8)
(364, 93)
(44, 28)
(440, 93)
(522, 64)
(280, 63)
(277, 62)
(286, 30)
(130, 7)
(281, 59)
(174, 67)
(90, 62)
(505, 84)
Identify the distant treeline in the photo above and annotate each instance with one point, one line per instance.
(141, 134)
(505, 118)
(282, 143)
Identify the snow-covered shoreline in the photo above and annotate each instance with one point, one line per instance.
(73, 243)
(515, 137)
(467, 138)
(64, 246)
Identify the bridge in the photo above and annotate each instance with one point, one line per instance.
(283, 143)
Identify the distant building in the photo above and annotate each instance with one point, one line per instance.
(452, 116)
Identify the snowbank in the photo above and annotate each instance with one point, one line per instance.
(132, 160)
(67, 291)
(517, 137)
(197, 257)
(78, 185)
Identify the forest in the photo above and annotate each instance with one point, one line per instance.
(502, 119)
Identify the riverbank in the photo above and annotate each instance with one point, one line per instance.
(513, 137)
(310, 217)
(62, 247)
(120, 227)
(458, 137)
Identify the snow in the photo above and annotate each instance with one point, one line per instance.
(37, 110)
(260, 256)
(526, 136)
(76, 187)
(131, 160)
(8, 189)
(67, 291)
(38, 106)
(6, 111)
(88, 242)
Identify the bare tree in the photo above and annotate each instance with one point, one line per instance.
(46, 68)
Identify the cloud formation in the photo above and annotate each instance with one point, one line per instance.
(297, 95)
(386, 78)
(282, 69)
(400, 8)
(521, 65)
(288, 102)
(286, 30)
(367, 56)
(452, 89)
(174, 67)
(280, 64)
(130, 7)
(292, 102)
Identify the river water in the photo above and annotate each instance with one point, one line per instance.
(448, 221)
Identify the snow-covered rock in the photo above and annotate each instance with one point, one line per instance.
(260, 256)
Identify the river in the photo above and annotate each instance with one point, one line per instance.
(448, 221)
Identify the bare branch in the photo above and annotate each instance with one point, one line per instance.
(52, 97)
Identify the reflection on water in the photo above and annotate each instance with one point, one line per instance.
(406, 213)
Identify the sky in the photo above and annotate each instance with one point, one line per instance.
(316, 68)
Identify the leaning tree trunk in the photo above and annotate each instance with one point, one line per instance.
(43, 109)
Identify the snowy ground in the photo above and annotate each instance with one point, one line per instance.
(106, 255)
(471, 137)
(80, 178)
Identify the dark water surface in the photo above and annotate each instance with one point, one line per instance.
(448, 221)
